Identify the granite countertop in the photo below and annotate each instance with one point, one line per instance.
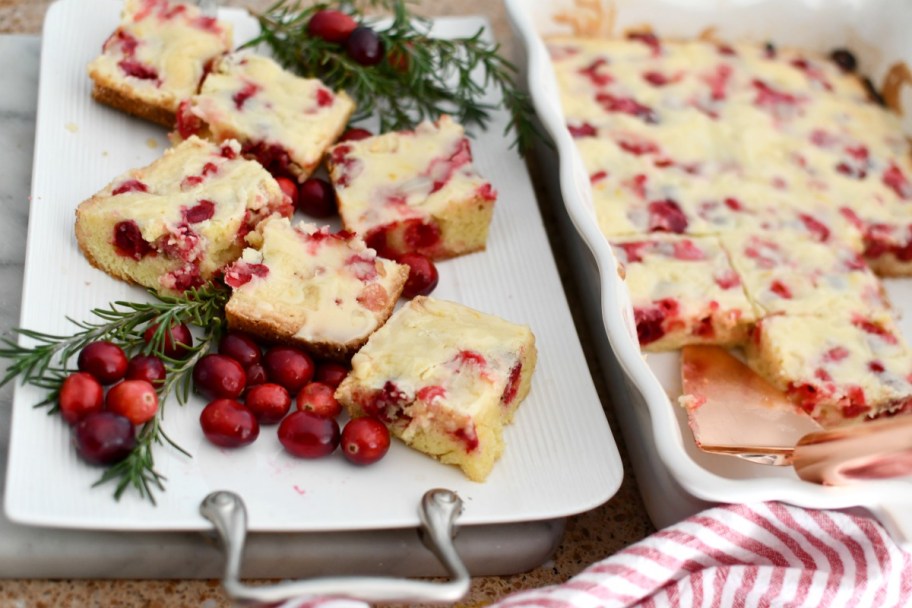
(588, 537)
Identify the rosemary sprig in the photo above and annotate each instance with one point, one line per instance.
(421, 78)
(46, 363)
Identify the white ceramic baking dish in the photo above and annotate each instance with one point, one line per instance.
(676, 477)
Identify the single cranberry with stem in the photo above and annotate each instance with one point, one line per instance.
(331, 25)
(331, 373)
(136, 400)
(227, 423)
(355, 134)
(289, 366)
(104, 438)
(269, 402)
(422, 277)
(104, 360)
(290, 188)
(147, 367)
(218, 376)
(80, 395)
(177, 340)
(318, 398)
(364, 46)
(317, 198)
(307, 435)
(365, 440)
(240, 347)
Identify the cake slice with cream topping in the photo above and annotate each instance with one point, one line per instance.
(445, 379)
(305, 285)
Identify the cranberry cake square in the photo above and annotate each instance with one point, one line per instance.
(305, 285)
(683, 291)
(838, 368)
(445, 379)
(157, 57)
(413, 191)
(175, 223)
(283, 120)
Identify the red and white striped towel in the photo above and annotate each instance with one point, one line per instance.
(767, 554)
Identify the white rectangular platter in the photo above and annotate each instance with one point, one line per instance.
(560, 456)
(876, 31)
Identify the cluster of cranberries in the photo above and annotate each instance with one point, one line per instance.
(360, 42)
(104, 422)
(268, 381)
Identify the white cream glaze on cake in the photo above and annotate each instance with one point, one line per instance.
(157, 57)
(683, 291)
(839, 369)
(175, 223)
(306, 285)
(445, 379)
(802, 276)
(285, 121)
(414, 191)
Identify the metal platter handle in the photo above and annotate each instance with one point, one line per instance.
(438, 510)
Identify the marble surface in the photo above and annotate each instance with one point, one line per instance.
(588, 537)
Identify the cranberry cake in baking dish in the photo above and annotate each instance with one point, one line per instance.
(157, 57)
(445, 379)
(283, 120)
(771, 168)
(413, 191)
(305, 285)
(175, 223)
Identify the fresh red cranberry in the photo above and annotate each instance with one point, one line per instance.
(136, 400)
(331, 25)
(331, 373)
(104, 438)
(306, 435)
(289, 188)
(104, 360)
(845, 59)
(355, 134)
(240, 347)
(418, 235)
(289, 366)
(219, 377)
(129, 242)
(318, 398)
(146, 367)
(317, 198)
(422, 277)
(227, 423)
(177, 340)
(256, 374)
(268, 402)
(80, 395)
(365, 440)
(364, 46)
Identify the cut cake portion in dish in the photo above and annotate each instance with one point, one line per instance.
(156, 58)
(785, 273)
(445, 379)
(414, 191)
(174, 224)
(283, 120)
(306, 285)
(838, 368)
(683, 291)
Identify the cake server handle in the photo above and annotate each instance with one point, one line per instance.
(438, 511)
